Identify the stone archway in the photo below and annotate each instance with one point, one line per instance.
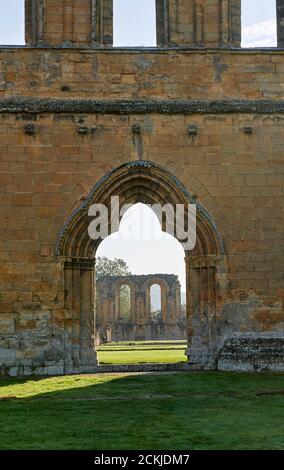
(117, 294)
(165, 290)
(148, 183)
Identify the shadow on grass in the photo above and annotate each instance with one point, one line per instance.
(180, 411)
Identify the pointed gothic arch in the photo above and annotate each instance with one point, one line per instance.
(148, 183)
(134, 182)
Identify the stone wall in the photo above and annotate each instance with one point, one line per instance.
(110, 326)
(119, 74)
(61, 22)
(253, 352)
(171, 123)
(90, 22)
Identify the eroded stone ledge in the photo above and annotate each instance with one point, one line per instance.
(253, 352)
(16, 105)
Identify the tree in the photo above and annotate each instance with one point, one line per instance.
(124, 304)
(111, 267)
(156, 316)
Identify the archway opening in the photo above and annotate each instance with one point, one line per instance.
(205, 264)
(156, 304)
(134, 23)
(124, 304)
(259, 23)
(146, 325)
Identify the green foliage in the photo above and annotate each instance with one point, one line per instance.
(156, 316)
(125, 306)
(111, 267)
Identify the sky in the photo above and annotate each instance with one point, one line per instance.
(143, 245)
(134, 24)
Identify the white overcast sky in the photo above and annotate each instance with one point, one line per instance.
(134, 24)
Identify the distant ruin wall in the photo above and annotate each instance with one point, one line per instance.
(140, 326)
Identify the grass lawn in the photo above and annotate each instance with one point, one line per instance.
(158, 411)
(142, 352)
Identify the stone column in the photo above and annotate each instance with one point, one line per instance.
(142, 311)
(79, 327)
(102, 22)
(280, 23)
(200, 279)
(165, 304)
(168, 303)
(230, 22)
(87, 316)
(162, 22)
(115, 293)
(181, 22)
(235, 38)
(177, 295)
(69, 22)
(133, 304)
(34, 21)
(199, 23)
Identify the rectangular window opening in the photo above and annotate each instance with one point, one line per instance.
(259, 27)
(134, 23)
(12, 22)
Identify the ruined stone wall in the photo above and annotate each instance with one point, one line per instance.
(139, 326)
(234, 165)
(203, 23)
(212, 118)
(69, 22)
(118, 74)
(90, 22)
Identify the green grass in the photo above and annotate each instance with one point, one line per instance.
(142, 352)
(162, 411)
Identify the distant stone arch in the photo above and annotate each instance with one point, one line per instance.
(155, 289)
(117, 290)
(107, 307)
(166, 285)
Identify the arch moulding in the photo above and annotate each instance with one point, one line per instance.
(148, 183)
